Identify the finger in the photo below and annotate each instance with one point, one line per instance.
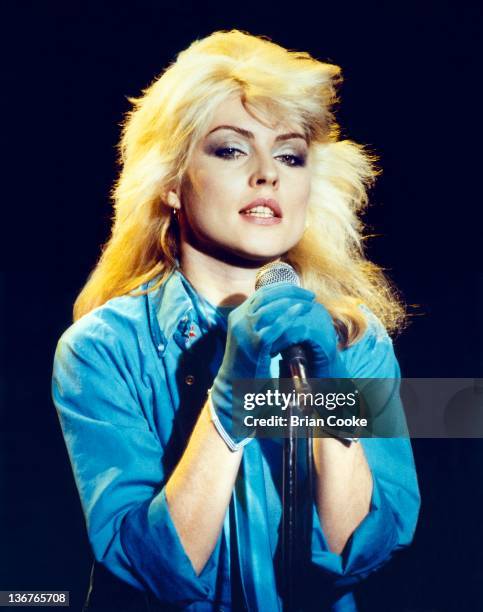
(285, 313)
(270, 294)
(290, 324)
(298, 336)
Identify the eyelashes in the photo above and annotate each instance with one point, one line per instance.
(228, 152)
(290, 159)
(231, 153)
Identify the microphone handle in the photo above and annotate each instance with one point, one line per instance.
(296, 359)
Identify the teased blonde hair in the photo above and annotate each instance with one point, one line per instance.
(166, 123)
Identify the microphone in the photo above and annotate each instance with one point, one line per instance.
(294, 356)
(295, 528)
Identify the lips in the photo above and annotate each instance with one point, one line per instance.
(268, 202)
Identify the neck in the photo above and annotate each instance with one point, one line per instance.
(222, 283)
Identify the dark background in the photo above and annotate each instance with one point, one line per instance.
(409, 93)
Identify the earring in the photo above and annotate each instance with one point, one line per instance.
(172, 199)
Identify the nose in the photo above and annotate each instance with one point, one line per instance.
(265, 172)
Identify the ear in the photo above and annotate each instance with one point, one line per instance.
(172, 199)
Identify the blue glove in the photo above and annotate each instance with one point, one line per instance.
(315, 330)
(272, 319)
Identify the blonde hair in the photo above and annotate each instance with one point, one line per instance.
(168, 120)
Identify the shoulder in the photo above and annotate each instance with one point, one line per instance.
(372, 356)
(375, 332)
(118, 325)
(104, 363)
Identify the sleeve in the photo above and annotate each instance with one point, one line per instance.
(117, 461)
(394, 508)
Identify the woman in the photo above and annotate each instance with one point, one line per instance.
(230, 160)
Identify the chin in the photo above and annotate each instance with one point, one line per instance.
(260, 255)
(266, 250)
(244, 249)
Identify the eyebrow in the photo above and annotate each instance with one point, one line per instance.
(251, 136)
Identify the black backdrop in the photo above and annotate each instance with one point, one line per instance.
(410, 73)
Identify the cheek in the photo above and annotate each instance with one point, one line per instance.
(211, 188)
(306, 196)
(199, 191)
(300, 194)
(306, 186)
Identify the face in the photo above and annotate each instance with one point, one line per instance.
(246, 188)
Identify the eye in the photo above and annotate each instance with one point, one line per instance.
(292, 160)
(228, 153)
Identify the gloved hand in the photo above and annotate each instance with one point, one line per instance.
(272, 319)
(315, 330)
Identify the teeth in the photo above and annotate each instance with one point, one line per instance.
(260, 211)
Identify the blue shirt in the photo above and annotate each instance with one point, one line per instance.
(129, 381)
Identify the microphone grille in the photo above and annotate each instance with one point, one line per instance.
(276, 272)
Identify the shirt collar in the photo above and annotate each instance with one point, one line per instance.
(176, 310)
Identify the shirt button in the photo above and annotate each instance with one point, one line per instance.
(190, 379)
(161, 347)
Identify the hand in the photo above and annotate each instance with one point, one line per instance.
(253, 328)
(314, 328)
